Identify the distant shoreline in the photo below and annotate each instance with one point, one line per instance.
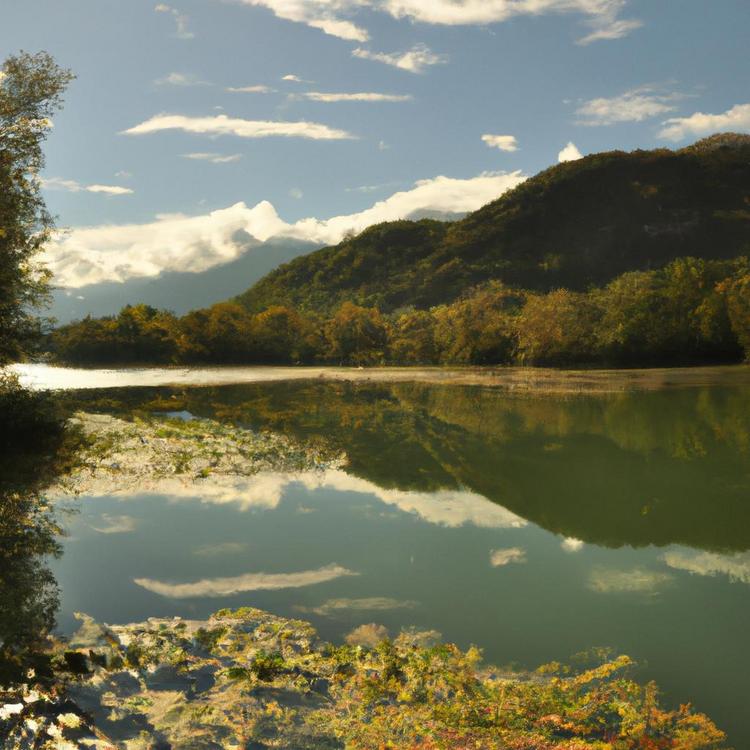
(511, 379)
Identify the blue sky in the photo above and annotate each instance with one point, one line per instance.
(537, 74)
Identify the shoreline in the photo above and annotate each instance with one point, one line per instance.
(511, 379)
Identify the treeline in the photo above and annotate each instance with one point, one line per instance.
(687, 312)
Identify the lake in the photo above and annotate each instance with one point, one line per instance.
(536, 524)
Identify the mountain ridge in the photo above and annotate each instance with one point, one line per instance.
(573, 225)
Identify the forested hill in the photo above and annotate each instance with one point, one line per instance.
(573, 225)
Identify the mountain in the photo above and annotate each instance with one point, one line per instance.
(178, 292)
(573, 225)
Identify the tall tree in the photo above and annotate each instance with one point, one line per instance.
(31, 88)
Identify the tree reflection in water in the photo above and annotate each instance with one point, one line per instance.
(35, 448)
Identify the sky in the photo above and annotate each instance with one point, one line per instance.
(194, 124)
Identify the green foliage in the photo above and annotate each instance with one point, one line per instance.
(736, 293)
(572, 226)
(31, 88)
(558, 328)
(399, 696)
(356, 335)
(690, 311)
(479, 328)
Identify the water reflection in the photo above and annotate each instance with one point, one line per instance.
(534, 525)
(29, 538)
(640, 468)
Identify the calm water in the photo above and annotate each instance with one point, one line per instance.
(535, 526)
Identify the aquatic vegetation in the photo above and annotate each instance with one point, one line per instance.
(246, 678)
(150, 452)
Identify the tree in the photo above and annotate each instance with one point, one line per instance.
(219, 334)
(356, 335)
(478, 328)
(736, 291)
(31, 88)
(557, 328)
(280, 335)
(413, 339)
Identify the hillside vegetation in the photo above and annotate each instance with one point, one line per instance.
(616, 259)
(574, 225)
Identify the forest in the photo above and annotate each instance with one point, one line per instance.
(691, 311)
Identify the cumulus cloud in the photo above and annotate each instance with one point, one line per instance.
(635, 105)
(90, 255)
(569, 153)
(416, 60)
(736, 567)
(571, 544)
(180, 79)
(180, 19)
(450, 508)
(215, 587)
(503, 142)
(293, 78)
(223, 125)
(256, 89)
(71, 186)
(327, 97)
(265, 491)
(677, 128)
(212, 157)
(501, 557)
(334, 16)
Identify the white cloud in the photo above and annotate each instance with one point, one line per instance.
(334, 607)
(90, 255)
(223, 125)
(257, 89)
(571, 544)
(320, 96)
(501, 557)
(736, 567)
(212, 157)
(569, 153)
(180, 79)
(181, 20)
(214, 587)
(450, 508)
(736, 119)
(296, 193)
(503, 142)
(71, 186)
(333, 16)
(635, 105)
(635, 581)
(116, 524)
(124, 174)
(610, 30)
(325, 15)
(415, 60)
(265, 491)
(293, 78)
(108, 189)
